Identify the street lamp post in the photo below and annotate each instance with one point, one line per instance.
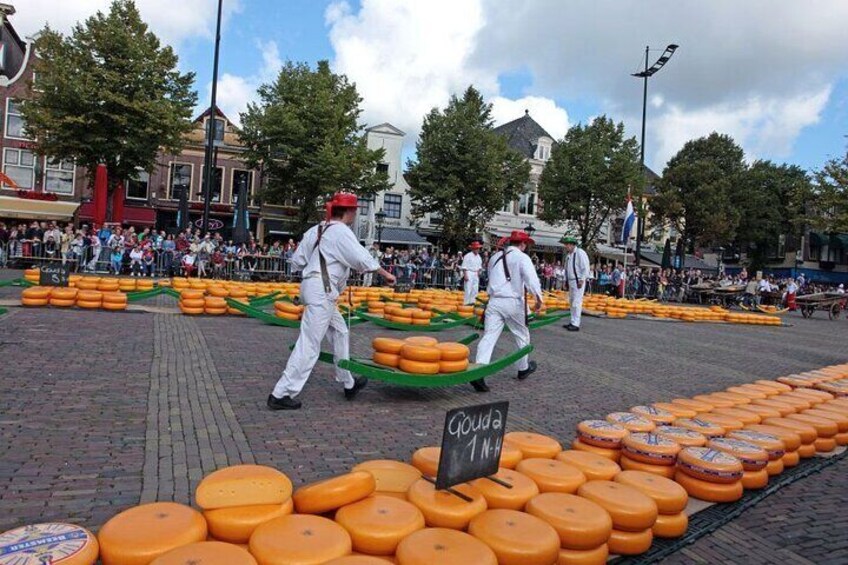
(646, 74)
(380, 217)
(210, 134)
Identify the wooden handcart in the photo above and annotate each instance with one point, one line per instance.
(832, 302)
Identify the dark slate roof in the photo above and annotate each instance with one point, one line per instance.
(651, 179)
(522, 134)
(402, 236)
(689, 262)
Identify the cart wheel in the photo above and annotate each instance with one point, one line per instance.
(834, 312)
(806, 312)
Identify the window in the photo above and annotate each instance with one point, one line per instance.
(527, 203)
(180, 180)
(19, 165)
(392, 204)
(58, 176)
(362, 207)
(219, 129)
(509, 207)
(435, 219)
(138, 186)
(543, 151)
(241, 176)
(2, 57)
(383, 168)
(14, 120)
(218, 177)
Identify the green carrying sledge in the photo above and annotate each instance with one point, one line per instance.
(437, 324)
(271, 318)
(144, 294)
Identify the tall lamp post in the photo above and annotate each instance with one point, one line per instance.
(645, 75)
(209, 158)
(380, 217)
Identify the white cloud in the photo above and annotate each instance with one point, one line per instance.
(234, 91)
(544, 110)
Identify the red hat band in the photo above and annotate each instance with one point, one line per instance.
(519, 236)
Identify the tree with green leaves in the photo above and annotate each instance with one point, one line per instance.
(588, 176)
(696, 192)
(109, 93)
(826, 200)
(465, 172)
(305, 134)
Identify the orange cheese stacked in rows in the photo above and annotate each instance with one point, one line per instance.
(288, 311)
(64, 297)
(421, 355)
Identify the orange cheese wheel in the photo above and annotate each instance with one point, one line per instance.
(440, 545)
(594, 467)
(190, 311)
(799, 403)
(114, 298)
(632, 465)
(453, 366)
(696, 405)
(335, 492)
(650, 448)
(708, 491)
(426, 460)
(671, 526)
(52, 543)
(36, 292)
(360, 560)
(191, 294)
(89, 304)
(418, 367)
(821, 395)
(827, 408)
(452, 351)
(841, 438)
(782, 407)
(580, 523)
(389, 475)
(498, 496)
(601, 433)
(387, 359)
(729, 424)
(142, 533)
(420, 322)
(193, 302)
(443, 509)
(756, 388)
(630, 543)
(669, 496)
(287, 316)
(709, 465)
(242, 485)
(733, 397)
(422, 340)
(595, 556)
(806, 432)
(377, 524)
(801, 394)
(61, 302)
(754, 480)
(774, 384)
(612, 454)
(682, 436)
(207, 553)
(631, 422)
(510, 456)
(279, 306)
(825, 444)
(299, 538)
(743, 416)
(517, 538)
(534, 445)
(772, 444)
(235, 524)
(838, 388)
(749, 392)
(654, 414)
(824, 427)
(418, 314)
(758, 410)
(629, 508)
(807, 450)
(551, 475)
(775, 467)
(707, 429)
(387, 345)
(715, 402)
(752, 456)
(114, 307)
(217, 291)
(206, 310)
(677, 410)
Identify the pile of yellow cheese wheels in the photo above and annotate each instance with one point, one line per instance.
(395, 312)
(621, 308)
(196, 301)
(288, 310)
(66, 297)
(421, 355)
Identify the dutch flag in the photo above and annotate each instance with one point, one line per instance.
(629, 218)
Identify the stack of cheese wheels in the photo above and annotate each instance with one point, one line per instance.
(659, 416)
(706, 429)
(377, 524)
(109, 285)
(465, 310)
(633, 515)
(631, 422)
(806, 432)
(207, 553)
(288, 310)
(691, 404)
(441, 509)
(773, 446)
(601, 438)
(677, 410)
(333, 493)
(727, 423)
(440, 545)
(116, 301)
(594, 467)
(52, 543)
(387, 351)
(89, 299)
(236, 500)
(551, 475)
(376, 307)
(420, 355)
(516, 537)
(741, 414)
(826, 430)
(670, 498)
(754, 459)
(191, 301)
(499, 496)
(141, 534)
(143, 284)
(791, 442)
(392, 478)
(710, 475)
(63, 297)
(533, 445)
(650, 453)
(682, 436)
(420, 317)
(299, 538)
(32, 275)
(88, 283)
(828, 411)
(398, 314)
(214, 305)
(454, 357)
(582, 525)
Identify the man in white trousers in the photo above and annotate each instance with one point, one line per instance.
(510, 272)
(576, 274)
(325, 256)
(471, 266)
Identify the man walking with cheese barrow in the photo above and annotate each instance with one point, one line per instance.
(510, 272)
(325, 256)
(471, 266)
(576, 275)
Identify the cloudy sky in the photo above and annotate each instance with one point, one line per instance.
(771, 73)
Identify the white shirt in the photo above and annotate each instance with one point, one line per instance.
(472, 263)
(521, 272)
(764, 286)
(341, 250)
(577, 264)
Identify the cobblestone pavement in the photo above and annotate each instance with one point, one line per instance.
(99, 411)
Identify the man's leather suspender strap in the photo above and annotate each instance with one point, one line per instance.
(325, 275)
(505, 267)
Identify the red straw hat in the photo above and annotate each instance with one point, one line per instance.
(519, 236)
(475, 245)
(341, 200)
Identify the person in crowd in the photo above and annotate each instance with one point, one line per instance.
(136, 256)
(117, 257)
(169, 248)
(218, 263)
(148, 261)
(374, 251)
(65, 243)
(471, 266)
(50, 248)
(576, 274)
(617, 280)
(188, 262)
(104, 233)
(94, 247)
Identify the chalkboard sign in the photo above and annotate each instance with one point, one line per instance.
(54, 274)
(471, 443)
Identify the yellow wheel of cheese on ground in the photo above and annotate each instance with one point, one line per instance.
(782, 407)
(650, 448)
(235, 524)
(299, 538)
(749, 392)
(630, 509)
(360, 560)
(534, 445)
(432, 546)
(841, 438)
(580, 523)
(806, 432)
(114, 298)
(426, 460)
(453, 366)
(452, 351)
(595, 467)
(596, 556)
(841, 420)
(774, 384)
(735, 398)
(710, 492)
(807, 450)
(696, 405)
(390, 475)
(114, 307)
(517, 538)
(631, 422)
(190, 311)
(752, 456)
(762, 412)
(669, 496)
(207, 553)
(682, 436)
(791, 440)
(744, 416)
(64, 293)
(671, 526)
(726, 422)
(37, 544)
(62, 302)
(89, 304)
(193, 302)
(387, 359)
(90, 296)
(214, 302)
(140, 534)
(677, 410)
(498, 496)
(654, 414)
(329, 494)
(510, 456)
(825, 445)
(219, 291)
(819, 394)
(709, 465)
(754, 388)
(613, 455)
(715, 402)
(791, 459)
(773, 445)
(242, 485)
(190, 294)
(824, 427)
(754, 480)
(601, 433)
(418, 367)
(707, 429)
(442, 509)
(422, 340)
(797, 395)
(775, 467)
(387, 345)
(377, 524)
(660, 470)
(36, 292)
(551, 475)
(630, 543)
(799, 403)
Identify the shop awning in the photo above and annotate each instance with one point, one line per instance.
(27, 209)
(278, 227)
(402, 236)
(613, 254)
(817, 239)
(839, 240)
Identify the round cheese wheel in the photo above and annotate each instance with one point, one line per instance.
(775, 467)
(669, 496)
(53, 543)
(594, 467)
(825, 444)
(329, 494)
(807, 450)
(206, 310)
(299, 538)
(140, 534)
(726, 422)
(841, 438)
(390, 475)
(798, 380)
(631, 422)
(709, 465)
(190, 294)
(752, 456)
(754, 480)
(534, 445)
(63, 293)
(734, 397)
(806, 432)
(452, 351)
(580, 523)
(418, 314)
(425, 354)
(682, 436)
(772, 444)
(749, 392)
(89, 304)
(815, 393)
(190, 311)
(440, 545)
(418, 367)
(62, 302)
(443, 509)
(235, 524)
(377, 524)
(36, 292)
(510, 456)
(633, 465)
(709, 491)
(791, 459)
(601, 433)
(422, 340)
(629, 508)
(675, 409)
(706, 429)
(426, 460)
(453, 366)
(763, 389)
(595, 556)
(743, 416)
(612, 454)
(794, 401)
(360, 560)
(207, 553)
(387, 359)
(650, 448)
(654, 414)
(832, 409)
(774, 384)
(517, 538)
(498, 496)
(696, 405)
(715, 402)
(798, 395)
(115, 298)
(551, 475)
(758, 410)
(387, 345)
(193, 302)
(791, 440)
(630, 543)
(242, 485)
(782, 407)
(114, 307)
(671, 526)
(824, 427)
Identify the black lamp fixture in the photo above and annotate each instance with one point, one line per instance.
(530, 229)
(380, 217)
